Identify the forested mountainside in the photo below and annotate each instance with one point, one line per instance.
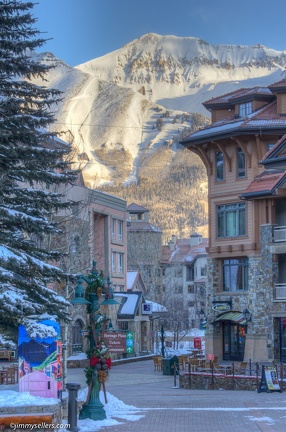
(174, 188)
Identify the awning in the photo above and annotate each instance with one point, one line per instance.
(237, 317)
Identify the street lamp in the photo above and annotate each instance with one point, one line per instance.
(93, 408)
(247, 315)
(162, 337)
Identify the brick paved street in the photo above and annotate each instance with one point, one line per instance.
(164, 408)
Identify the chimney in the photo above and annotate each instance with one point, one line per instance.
(172, 243)
(195, 239)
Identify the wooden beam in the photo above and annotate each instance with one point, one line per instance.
(205, 158)
(243, 147)
(224, 152)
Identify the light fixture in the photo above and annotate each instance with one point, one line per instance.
(247, 315)
(202, 314)
(79, 298)
(109, 298)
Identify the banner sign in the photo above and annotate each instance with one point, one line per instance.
(269, 381)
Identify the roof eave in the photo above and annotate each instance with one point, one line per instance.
(260, 194)
(188, 142)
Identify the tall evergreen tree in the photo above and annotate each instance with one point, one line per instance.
(31, 165)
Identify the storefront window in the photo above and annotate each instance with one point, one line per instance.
(233, 341)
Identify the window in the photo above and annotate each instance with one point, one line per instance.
(120, 230)
(190, 273)
(231, 220)
(219, 166)
(120, 263)
(235, 274)
(245, 109)
(123, 325)
(241, 171)
(204, 271)
(191, 289)
(113, 228)
(113, 261)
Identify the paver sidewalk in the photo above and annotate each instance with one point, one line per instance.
(163, 408)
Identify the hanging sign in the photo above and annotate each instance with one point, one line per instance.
(269, 381)
(221, 307)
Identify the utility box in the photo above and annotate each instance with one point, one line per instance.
(169, 364)
(40, 363)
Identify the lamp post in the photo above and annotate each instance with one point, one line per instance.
(162, 337)
(93, 407)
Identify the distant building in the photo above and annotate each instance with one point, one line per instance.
(144, 242)
(184, 276)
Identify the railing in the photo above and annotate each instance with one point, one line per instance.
(280, 234)
(280, 291)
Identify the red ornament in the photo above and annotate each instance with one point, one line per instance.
(108, 363)
(94, 361)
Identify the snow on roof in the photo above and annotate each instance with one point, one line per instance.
(130, 305)
(157, 307)
(131, 278)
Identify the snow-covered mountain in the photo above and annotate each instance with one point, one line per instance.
(120, 109)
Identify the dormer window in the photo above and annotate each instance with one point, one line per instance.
(245, 109)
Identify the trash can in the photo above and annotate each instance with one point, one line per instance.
(169, 364)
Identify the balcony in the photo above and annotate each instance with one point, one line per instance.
(279, 234)
(278, 245)
(280, 291)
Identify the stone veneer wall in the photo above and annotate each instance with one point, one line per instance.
(263, 274)
(17, 414)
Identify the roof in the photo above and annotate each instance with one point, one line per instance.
(136, 208)
(130, 304)
(183, 252)
(131, 279)
(265, 118)
(265, 184)
(276, 157)
(135, 281)
(142, 226)
(240, 94)
(278, 85)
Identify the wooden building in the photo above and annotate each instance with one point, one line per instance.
(242, 151)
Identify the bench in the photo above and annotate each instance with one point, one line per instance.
(5, 354)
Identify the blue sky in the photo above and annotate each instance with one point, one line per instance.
(85, 29)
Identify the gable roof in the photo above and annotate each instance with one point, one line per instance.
(136, 208)
(183, 252)
(276, 157)
(135, 280)
(265, 184)
(242, 94)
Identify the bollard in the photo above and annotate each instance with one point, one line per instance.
(72, 388)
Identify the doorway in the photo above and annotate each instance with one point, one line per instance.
(283, 340)
(233, 340)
